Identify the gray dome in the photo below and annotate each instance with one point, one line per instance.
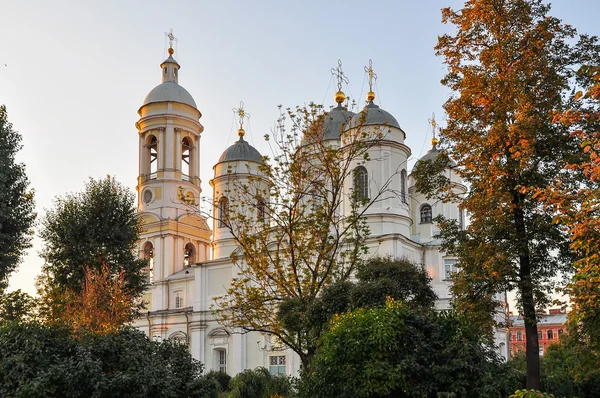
(170, 91)
(335, 121)
(241, 150)
(432, 155)
(373, 115)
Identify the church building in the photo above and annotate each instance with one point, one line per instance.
(189, 254)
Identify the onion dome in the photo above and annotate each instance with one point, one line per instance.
(241, 151)
(335, 122)
(434, 152)
(373, 115)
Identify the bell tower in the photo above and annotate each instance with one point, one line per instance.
(175, 235)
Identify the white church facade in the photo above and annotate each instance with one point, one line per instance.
(189, 254)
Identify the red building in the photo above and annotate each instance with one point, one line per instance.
(550, 327)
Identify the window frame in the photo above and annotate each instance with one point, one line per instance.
(178, 299)
(426, 214)
(281, 362)
(361, 183)
(450, 268)
(222, 212)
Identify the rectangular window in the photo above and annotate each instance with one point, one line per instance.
(277, 364)
(519, 336)
(222, 361)
(449, 268)
(560, 332)
(550, 335)
(540, 335)
(179, 299)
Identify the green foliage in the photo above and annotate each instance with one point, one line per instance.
(17, 214)
(377, 279)
(397, 351)
(399, 279)
(42, 361)
(96, 227)
(222, 378)
(259, 383)
(16, 306)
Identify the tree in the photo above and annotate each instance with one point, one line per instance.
(103, 305)
(378, 279)
(509, 64)
(17, 214)
(397, 351)
(49, 361)
(17, 306)
(309, 231)
(96, 228)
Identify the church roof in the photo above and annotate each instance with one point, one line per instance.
(335, 122)
(241, 150)
(170, 91)
(432, 154)
(373, 115)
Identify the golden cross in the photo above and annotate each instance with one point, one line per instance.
(171, 38)
(242, 114)
(372, 75)
(339, 74)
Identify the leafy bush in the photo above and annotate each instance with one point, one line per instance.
(222, 378)
(47, 361)
(397, 351)
(530, 394)
(259, 383)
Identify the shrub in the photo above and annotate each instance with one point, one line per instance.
(259, 383)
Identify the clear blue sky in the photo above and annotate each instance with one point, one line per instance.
(74, 74)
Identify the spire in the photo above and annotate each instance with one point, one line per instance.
(341, 78)
(372, 78)
(242, 114)
(170, 67)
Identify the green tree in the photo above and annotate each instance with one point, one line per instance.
(45, 361)
(17, 214)
(88, 230)
(17, 306)
(397, 351)
(259, 383)
(377, 279)
(304, 239)
(509, 65)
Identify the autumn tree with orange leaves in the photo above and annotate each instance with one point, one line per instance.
(579, 207)
(510, 65)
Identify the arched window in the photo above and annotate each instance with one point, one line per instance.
(149, 255)
(186, 157)
(403, 195)
(260, 210)
(223, 212)
(178, 338)
(425, 214)
(461, 219)
(189, 255)
(152, 156)
(361, 183)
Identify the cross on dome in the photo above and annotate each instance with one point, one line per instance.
(172, 39)
(372, 78)
(242, 114)
(341, 78)
(434, 127)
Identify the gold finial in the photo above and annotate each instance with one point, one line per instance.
(372, 78)
(172, 39)
(242, 114)
(341, 78)
(434, 140)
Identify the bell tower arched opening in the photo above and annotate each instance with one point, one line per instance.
(187, 160)
(149, 256)
(151, 156)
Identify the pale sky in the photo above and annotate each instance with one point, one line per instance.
(74, 74)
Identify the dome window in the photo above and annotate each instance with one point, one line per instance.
(165, 70)
(361, 184)
(426, 214)
(260, 210)
(223, 211)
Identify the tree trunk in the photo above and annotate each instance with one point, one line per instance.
(532, 345)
